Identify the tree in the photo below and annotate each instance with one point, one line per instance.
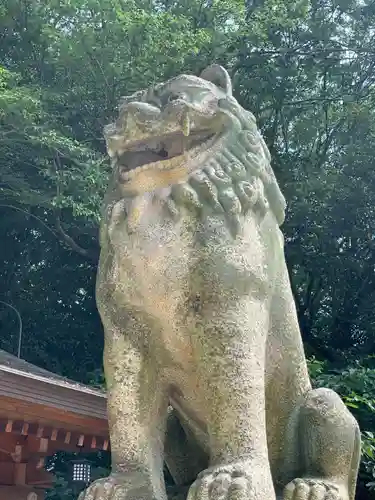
(314, 62)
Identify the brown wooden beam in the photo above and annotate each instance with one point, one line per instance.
(16, 410)
(47, 434)
(20, 474)
(38, 475)
(68, 437)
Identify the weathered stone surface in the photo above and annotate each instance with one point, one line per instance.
(196, 303)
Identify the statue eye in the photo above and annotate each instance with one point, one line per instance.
(176, 96)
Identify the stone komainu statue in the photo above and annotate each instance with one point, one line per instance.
(198, 313)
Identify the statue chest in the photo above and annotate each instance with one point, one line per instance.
(157, 260)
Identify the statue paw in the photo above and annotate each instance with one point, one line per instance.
(314, 489)
(116, 487)
(229, 482)
(106, 488)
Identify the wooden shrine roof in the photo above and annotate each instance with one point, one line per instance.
(42, 413)
(38, 402)
(11, 364)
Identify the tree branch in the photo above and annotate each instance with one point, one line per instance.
(19, 325)
(29, 214)
(61, 234)
(70, 242)
(65, 236)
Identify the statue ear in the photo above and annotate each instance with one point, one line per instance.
(219, 76)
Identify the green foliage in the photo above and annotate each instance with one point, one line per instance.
(313, 61)
(33, 151)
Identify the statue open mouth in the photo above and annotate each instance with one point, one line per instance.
(165, 152)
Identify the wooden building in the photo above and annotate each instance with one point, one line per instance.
(41, 413)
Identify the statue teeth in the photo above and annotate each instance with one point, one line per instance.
(186, 125)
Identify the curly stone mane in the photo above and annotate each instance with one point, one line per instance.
(236, 177)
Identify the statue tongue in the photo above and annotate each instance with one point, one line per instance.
(134, 159)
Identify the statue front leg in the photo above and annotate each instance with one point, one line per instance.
(231, 350)
(329, 447)
(137, 410)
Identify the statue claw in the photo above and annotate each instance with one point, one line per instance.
(230, 482)
(314, 489)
